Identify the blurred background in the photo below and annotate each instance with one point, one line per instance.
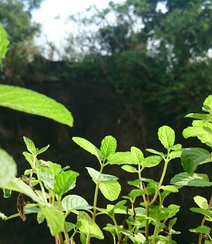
(123, 68)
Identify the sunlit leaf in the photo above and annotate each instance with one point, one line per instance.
(110, 189)
(3, 42)
(201, 202)
(121, 158)
(31, 102)
(166, 135)
(71, 202)
(108, 146)
(98, 177)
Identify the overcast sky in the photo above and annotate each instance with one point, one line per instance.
(53, 15)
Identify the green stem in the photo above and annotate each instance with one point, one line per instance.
(203, 221)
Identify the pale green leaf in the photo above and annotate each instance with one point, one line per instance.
(30, 145)
(169, 188)
(129, 168)
(208, 103)
(71, 202)
(137, 154)
(155, 152)
(31, 102)
(88, 146)
(108, 146)
(201, 202)
(55, 219)
(122, 158)
(88, 226)
(8, 169)
(166, 135)
(201, 229)
(3, 42)
(110, 189)
(204, 212)
(151, 161)
(98, 177)
(197, 180)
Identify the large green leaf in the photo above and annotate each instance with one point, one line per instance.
(166, 135)
(71, 202)
(8, 169)
(88, 226)
(31, 102)
(108, 146)
(122, 158)
(184, 179)
(88, 146)
(137, 154)
(3, 42)
(192, 157)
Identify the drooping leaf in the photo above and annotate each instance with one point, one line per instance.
(197, 180)
(71, 202)
(155, 152)
(88, 146)
(98, 177)
(121, 158)
(201, 229)
(166, 135)
(108, 146)
(55, 219)
(129, 168)
(201, 202)
(110, 189)
(88, 226)
(8, 168)
(192, 157)
(31, 102)
(201, 211)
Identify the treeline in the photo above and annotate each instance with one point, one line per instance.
(155, 53)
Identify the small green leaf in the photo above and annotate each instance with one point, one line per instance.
(89, 147)
(98, 177)
(166, 135)
(136, 193)
(7, 193)
(3, 216)
(108, 146)
(136, 182)
(197, 180)
(110, 189)
(201, 202)
(88, 226)
(30, 145)
(175, 154)
(201, 211)
(201, 229)
(208, 103)
(8, 169)
(3, 42)
(137, 154)
(155, 152)
(177, 147)
(31, 102)
(71, 202)
(129, 168)
(151, 161)
(121, 158)
(200, 116)
(55, 219)
(169, 188)
(43, 149)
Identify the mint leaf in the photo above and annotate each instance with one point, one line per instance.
(31, 102)
(108, 146)
(3, 42)
(166, 135)
(110, 189)
(71, 202)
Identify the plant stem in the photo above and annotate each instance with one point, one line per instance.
(203, 221)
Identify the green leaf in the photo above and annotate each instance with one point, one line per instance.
(136, 193)
(98, 177)
(151, 161)
(201, 211)
(55, 219)
(192, 157)
(129, 168)
(8, 169)
(155, 152)
(89, 147)
(169, 188)
(201, 202)
(166, 135)
(30, 145)
(207, 117)
(64, 182)
(121, 158)
(108, 146)
(137, 154)
(110, 189)
(175, 154)
(200, 129)
(136, 182)
(7, 193)
(197, 180)
(3, 42)
(88, 226)
(71, 202)
(201, 229)
(31, 102)
(208, 103)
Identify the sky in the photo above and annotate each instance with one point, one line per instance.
(53, 16)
